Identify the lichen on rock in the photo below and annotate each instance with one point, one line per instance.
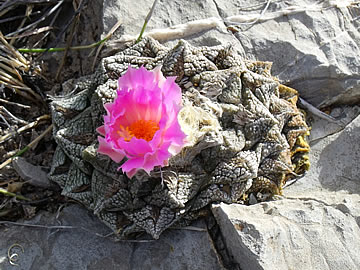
(246, 138)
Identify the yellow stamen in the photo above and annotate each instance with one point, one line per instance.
(141, 129)
(125, 133)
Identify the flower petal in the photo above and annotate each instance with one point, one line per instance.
(171, 91)
(135, 147)
(158, 76)
(131, 173)
(134, 77)
(106, 149)
(142, 96)
(132, 164)
(152, 160)
(174, 133)
(101, 130)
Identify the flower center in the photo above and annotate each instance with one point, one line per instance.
(141, 129)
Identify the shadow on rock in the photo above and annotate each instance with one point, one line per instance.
(338, 162)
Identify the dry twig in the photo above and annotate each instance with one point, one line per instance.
(45, 15)
(13, 117)
(68, 43)
(15, 104)
(108, 36)
(26, 127)
(11, 62)
(26, 148)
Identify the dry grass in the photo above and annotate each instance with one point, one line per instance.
(24, 117)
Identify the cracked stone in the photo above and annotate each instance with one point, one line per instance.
(83, 244)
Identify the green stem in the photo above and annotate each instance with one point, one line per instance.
(7, 193)
(83, 47)
(142, 32)
(146, 21)
(20, 152)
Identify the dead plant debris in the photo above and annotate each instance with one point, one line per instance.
(52, 31)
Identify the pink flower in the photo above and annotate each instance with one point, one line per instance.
(141, 123)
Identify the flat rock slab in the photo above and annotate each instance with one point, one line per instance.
(290, 234)
(314, 45)
(208, 29)
(315, 225)
(85, 247)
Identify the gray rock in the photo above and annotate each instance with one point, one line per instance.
(315, 225)
(290, 234)
(33, 174)
(342, 116)
(84, 247)
(207, 28)
(314, 46)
